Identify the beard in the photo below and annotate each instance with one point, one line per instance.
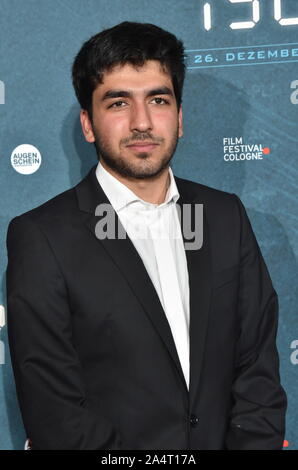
(142, 165)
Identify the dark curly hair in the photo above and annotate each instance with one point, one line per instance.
(127, 42)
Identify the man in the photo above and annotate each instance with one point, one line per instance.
(141, 342)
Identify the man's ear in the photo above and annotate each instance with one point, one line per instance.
(86, 126)
(180, 122)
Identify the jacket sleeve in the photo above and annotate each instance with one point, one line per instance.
(257, 418)
(56, 411)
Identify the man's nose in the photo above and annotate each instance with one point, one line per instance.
(140, 119)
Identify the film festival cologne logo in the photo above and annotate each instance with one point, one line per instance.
(235, 149)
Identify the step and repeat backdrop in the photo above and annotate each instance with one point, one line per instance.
(240, 107)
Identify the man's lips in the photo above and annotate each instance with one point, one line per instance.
(144, 146)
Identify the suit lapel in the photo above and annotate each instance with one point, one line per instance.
(199, 273)
(129, 262)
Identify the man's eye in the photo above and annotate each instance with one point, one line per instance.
(160, 100)
(117, 104)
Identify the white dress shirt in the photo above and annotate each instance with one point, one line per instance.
(155, 231)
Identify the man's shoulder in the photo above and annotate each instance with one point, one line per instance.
(201, 192)
(220, 207)
(54, 210)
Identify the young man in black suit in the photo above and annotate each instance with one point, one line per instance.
(137, 337)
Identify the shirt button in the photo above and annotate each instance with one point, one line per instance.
(194, 420)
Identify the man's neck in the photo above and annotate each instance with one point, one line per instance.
(151, 190)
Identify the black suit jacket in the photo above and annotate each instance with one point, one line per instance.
(94, 360)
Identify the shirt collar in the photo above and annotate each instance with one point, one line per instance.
(120, 195)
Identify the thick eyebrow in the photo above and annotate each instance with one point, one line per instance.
(127, 94)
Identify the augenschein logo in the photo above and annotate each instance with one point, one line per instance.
(25, 159)
(235, 150)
